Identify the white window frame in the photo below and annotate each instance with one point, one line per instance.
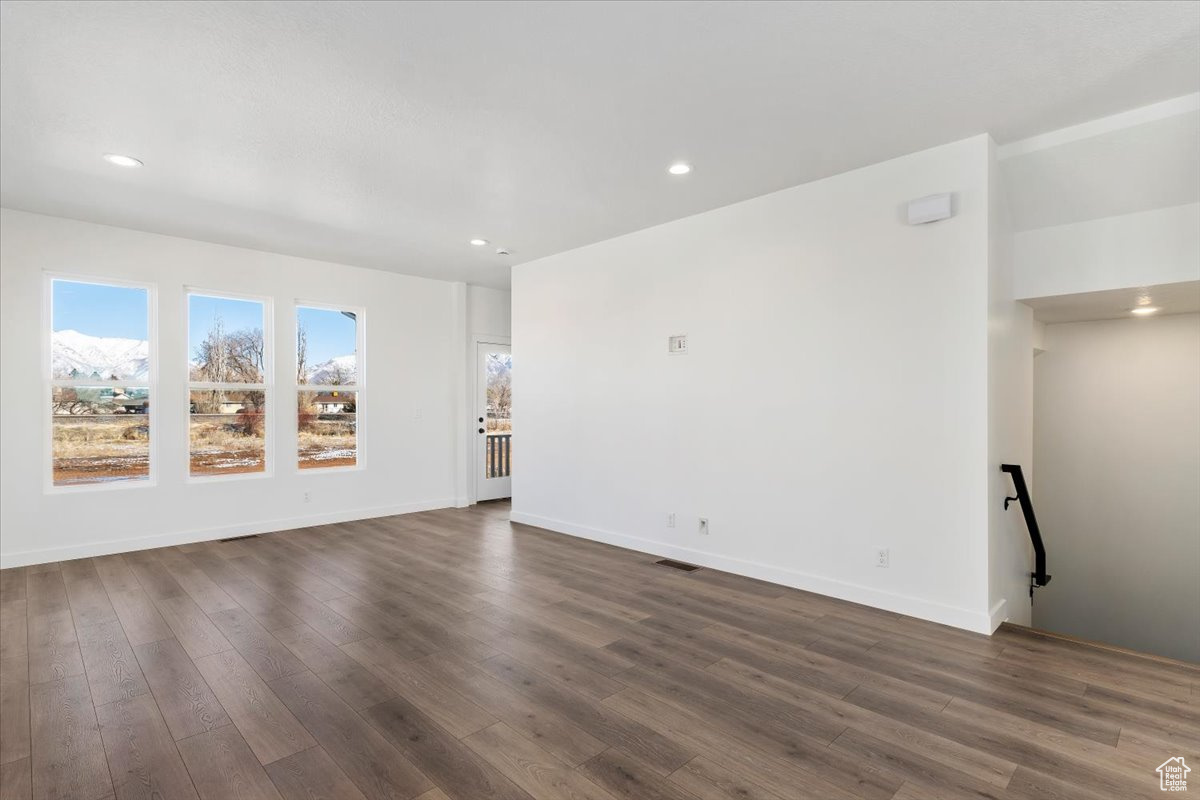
(49, 382)
(267, 388)
(358, 387)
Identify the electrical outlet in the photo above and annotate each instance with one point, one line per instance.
(882, 557)
(704, 526)
(671, 520)
(307, 496)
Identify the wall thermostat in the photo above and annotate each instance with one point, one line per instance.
(677, 345)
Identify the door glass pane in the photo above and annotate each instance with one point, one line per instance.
(497, 462)
(327, 428)
(326, 347)
(100, 434)
(225, 339)
(227, 432)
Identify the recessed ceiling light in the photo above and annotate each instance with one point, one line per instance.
(479, 242)
(1143, 310)
(122, 161)
(679, 168)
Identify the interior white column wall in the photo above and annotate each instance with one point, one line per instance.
(834, 400)
(1010, 416)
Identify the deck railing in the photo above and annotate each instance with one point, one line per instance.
(499, 455)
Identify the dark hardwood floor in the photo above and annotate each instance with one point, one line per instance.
(451, 654)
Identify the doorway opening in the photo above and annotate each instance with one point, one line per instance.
(493, 468)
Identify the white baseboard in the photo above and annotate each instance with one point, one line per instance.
(976, 621)
(93, 549)
(999, 614)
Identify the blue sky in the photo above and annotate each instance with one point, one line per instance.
(330, 333)
(120, 312)
(116, 312)
(235, 315)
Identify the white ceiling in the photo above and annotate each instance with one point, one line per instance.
(1169, 298)
(387, 134)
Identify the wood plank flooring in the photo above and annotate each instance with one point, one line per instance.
(452, 655)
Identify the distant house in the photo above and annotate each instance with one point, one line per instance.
(332, 402)
(226, 406)
(131, 405)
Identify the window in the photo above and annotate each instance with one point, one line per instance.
(100, 383)
(329, 386)
(228, 385)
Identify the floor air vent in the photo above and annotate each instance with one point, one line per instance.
(666, 562)
(239, 538)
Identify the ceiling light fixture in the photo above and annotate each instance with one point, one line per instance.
(479, 242)
(679, 168)
(1143, 310)
(122, 161)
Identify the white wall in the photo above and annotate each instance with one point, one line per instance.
(1143, 249)
(1117, 486)
(489, 312)
(1010, 416)
(835, 398)
(414, 335)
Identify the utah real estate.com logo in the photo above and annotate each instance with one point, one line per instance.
(1172, 775)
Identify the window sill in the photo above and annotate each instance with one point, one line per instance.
(328, 470)
(108, 486)
(237, 476)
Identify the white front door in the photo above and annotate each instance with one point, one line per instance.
(493, 469)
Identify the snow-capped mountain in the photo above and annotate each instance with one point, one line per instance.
(340, 369)
(78, 355)
(75, 354)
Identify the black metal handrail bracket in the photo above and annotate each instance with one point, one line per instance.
(1038, 576)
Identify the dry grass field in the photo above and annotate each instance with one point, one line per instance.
(102, 448)
(318, 450)
(99, 448)
(327, 440)
(221, 445)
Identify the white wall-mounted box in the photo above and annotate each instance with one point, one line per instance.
(930, 209)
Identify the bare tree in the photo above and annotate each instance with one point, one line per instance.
(66, 400)
(499, 384)
(338, 376)
(499, 396)
(301, 354)
(236, 357)
(212, 356)
(306, 411)
(247, 354)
